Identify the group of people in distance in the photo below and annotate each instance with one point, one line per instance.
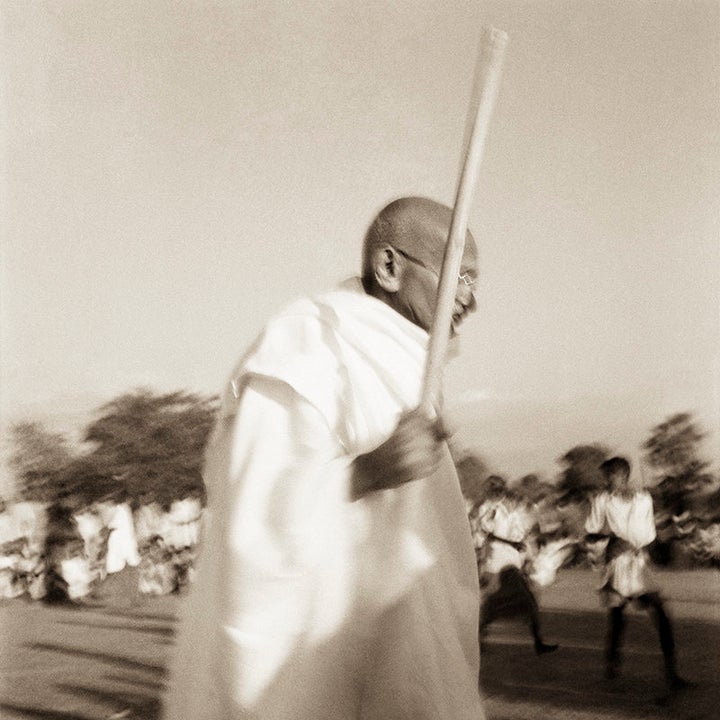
(515, 554)
(62, 552)
(337, 578)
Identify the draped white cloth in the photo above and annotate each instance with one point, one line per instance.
(307, 605)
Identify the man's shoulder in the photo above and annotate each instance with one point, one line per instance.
(301, 315)
(298, 335)
(319, 308)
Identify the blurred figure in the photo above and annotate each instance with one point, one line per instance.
(62, 543)
(122, 547)
(75, 570)
(28, 525)
(705, 545)
(151, 521)
(10, 553)
(11, 571)
(32, 523)
(156, 570)
(552, 542)
(158, 575)
(11, 585)
(494, 490)
(549, 556)
(184, 521)
(33, 569)
(184, 518)
(167, 542)
(625, 516)
(8, 526)
(507, 522)
(95, 535)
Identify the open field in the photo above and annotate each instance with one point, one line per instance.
(108, 659)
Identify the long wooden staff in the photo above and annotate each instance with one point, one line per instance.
(486, 84)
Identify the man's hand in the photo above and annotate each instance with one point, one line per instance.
(413, 451)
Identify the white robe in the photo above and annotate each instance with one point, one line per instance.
(630, 519)
(307, 605)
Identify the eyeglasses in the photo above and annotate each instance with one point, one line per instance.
(465, 277)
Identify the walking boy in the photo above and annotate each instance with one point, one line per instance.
(507, 522)
(625, 516)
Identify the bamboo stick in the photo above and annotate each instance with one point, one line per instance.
(485, 90)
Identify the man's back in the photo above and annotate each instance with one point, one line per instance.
(321, 606)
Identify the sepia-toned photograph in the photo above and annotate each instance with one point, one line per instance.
(359, 360)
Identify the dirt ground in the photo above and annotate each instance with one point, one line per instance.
(108, 659)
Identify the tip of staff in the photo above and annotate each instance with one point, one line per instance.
(495, 35)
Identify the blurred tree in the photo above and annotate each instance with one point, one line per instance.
(673, 451)
(38, 461)
(87, 480)
(581, 475)
(472, 472)
(706, 505)
(152, 444)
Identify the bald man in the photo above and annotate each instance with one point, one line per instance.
(337, 577)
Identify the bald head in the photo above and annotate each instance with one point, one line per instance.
(403, 256)
(414, 225)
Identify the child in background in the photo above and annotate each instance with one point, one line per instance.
(507, 524)
(625, 516)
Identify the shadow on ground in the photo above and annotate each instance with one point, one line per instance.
(36, 713)
(571, 679)
(109, 659)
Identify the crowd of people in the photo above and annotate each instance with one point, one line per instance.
(522, 536)
(57, 552)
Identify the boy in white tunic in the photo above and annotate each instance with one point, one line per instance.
(508, 522)
(625, 516)
(336, 578)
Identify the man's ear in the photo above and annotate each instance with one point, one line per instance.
(387, 268)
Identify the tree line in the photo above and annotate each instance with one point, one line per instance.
(144, 444)
(140, 445)
(685, 492)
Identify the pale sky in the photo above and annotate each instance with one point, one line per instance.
(174, 173)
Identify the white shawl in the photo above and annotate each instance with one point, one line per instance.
(307, 605)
